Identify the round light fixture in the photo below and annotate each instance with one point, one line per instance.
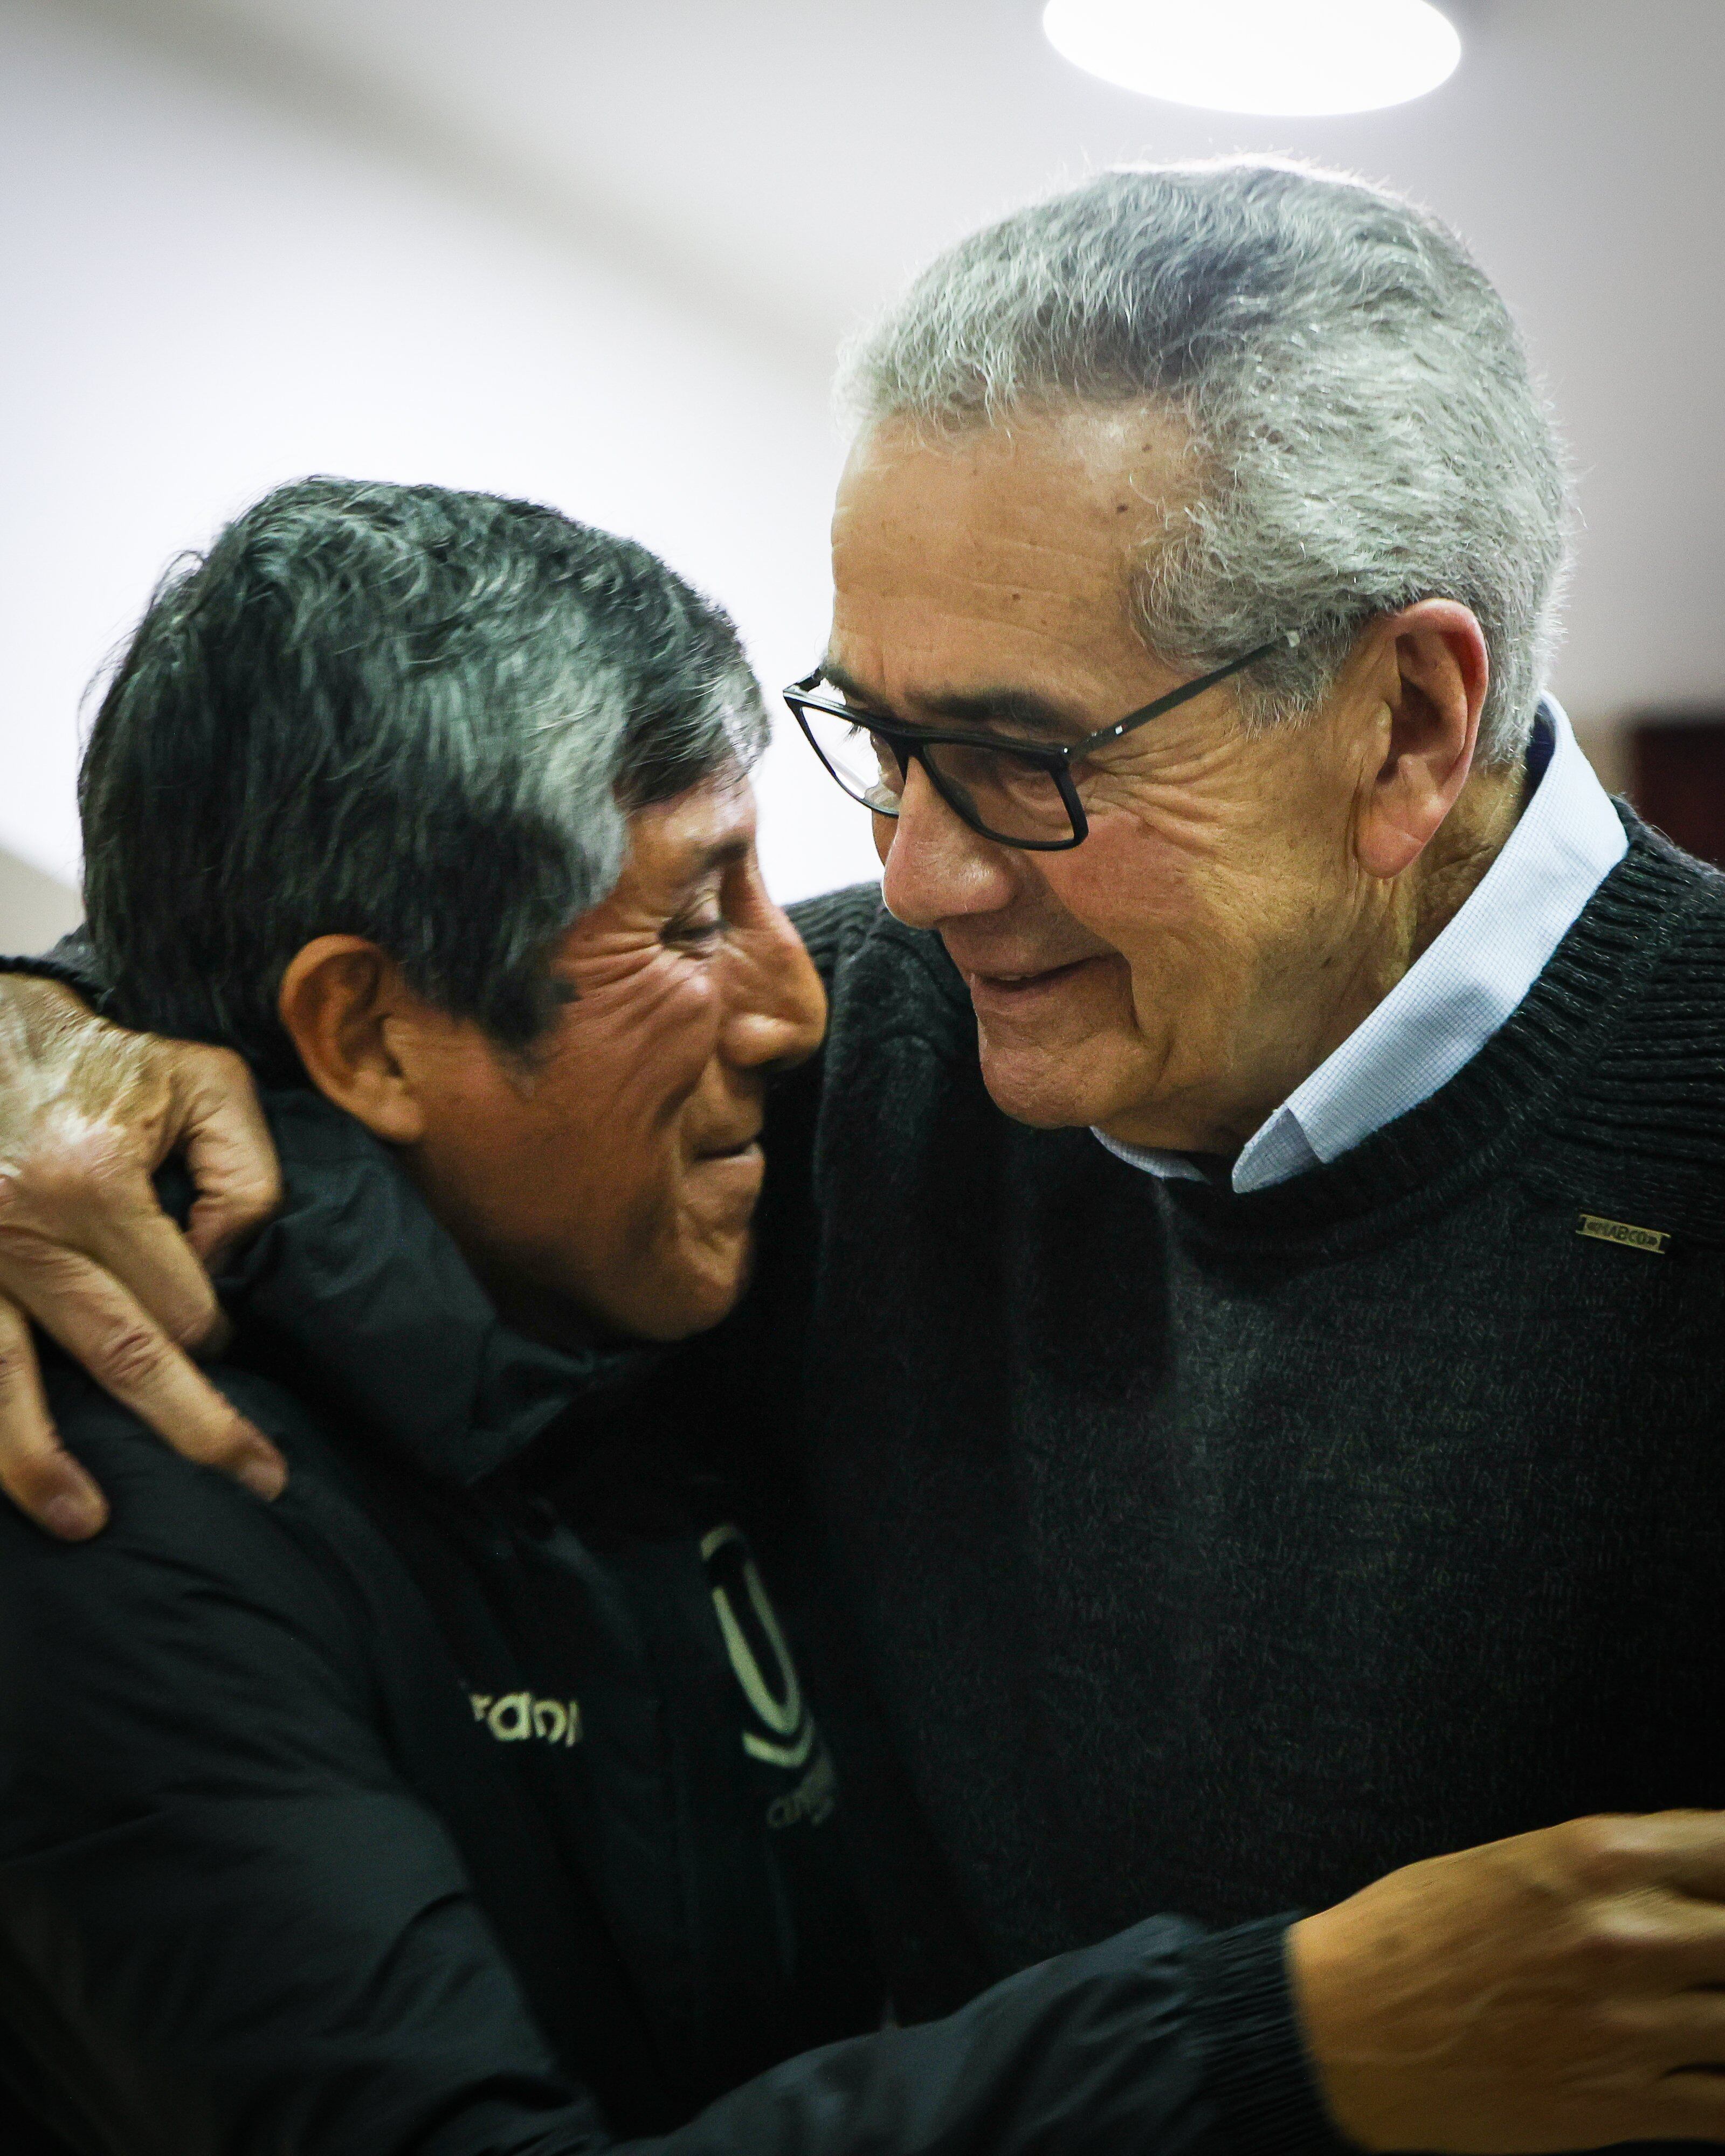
(1272, 56)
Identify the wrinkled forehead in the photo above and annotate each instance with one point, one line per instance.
(712, 823)
(1004, 551)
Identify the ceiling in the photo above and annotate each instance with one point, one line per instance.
(789, 162)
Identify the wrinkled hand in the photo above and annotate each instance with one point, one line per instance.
(88, 1112)
(1559, 1990)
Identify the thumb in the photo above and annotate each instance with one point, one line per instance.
(228, 1149)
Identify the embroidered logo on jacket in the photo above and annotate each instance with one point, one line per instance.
(515, 1717)
(784, 1734)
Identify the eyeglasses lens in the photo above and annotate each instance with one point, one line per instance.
(860, 760)
(1006, 796)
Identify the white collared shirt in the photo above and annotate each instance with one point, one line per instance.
(1458, 991)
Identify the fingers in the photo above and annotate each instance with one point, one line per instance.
(229, 1152)
(1645, 1894)
(122, 1226)
(36, 1471)
(1686, 2106)
(1690, 2029)
(88, 1110)
(1667, 1868)
(1683, 1849)
(1663, 1942)
(100, 1324)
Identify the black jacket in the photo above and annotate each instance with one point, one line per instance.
(464, 1801)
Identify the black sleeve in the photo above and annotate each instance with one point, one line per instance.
(1159, 2042)
(71, 961)
(227, 1928)
(225, 1922)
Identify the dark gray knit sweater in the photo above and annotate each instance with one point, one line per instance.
(1216, 1554)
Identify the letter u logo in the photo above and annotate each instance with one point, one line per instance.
(740, 1601)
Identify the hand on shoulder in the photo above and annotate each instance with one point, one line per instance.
(88, 1112)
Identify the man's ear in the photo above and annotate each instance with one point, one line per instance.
(342, 1000)
(1428, 664)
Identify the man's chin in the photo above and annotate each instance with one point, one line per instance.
(1036, 1087)
(1050, 1044)
(702, 1289)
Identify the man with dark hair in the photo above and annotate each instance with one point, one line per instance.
(498, 683)
(1230, 1397)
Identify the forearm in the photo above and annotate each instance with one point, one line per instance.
(1161, 2042)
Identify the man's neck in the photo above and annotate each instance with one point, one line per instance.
(1473, 835)
(1415, 911)
(1419, 910)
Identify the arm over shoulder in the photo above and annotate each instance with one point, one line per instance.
(228, 1927)
(225, 1924)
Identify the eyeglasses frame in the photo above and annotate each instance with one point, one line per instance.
(908, 742)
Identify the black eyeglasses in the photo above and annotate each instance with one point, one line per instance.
(1018, 793)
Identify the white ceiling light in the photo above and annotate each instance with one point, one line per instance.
(1280, 56)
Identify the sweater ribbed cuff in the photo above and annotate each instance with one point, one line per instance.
(1257, 2072)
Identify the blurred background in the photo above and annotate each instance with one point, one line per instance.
(600, 251)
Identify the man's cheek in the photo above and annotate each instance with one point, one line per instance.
(632, 1064)
(1170, 879)
(1127, 885)
(1170, 828)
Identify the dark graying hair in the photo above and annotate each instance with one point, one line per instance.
(401, 713)
(1364, 430)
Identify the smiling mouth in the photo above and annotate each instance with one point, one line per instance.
(743, 1149)
(1016, 988)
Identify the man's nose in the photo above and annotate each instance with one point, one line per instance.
(935, 868)
(778, 1008)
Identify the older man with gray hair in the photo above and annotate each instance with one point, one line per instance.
(1232, 1386)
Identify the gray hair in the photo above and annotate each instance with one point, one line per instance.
(401, 713)
(1364, 429)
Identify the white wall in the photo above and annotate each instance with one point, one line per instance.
(598, 251)
(811, 153)
(35, 910)
(205, 295)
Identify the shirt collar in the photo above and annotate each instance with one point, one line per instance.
(1459, 991)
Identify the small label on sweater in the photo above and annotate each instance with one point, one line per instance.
(1654, 1240)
